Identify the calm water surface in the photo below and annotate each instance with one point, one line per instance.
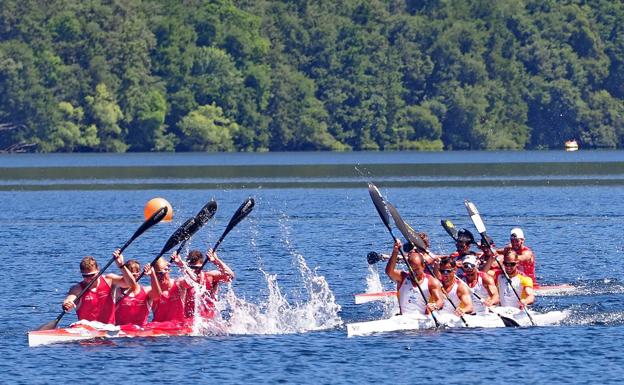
(301, 256)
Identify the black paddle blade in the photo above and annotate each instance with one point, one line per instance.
(202, 217)
(206, 213)
(52, 324)
(245, 208)
(450, 228)
(373, 258)
(182, 233)
(408, 232)
(509, 322)
(380, 204)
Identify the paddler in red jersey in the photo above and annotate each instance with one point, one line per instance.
(134, 307)
(209, 279)
(168, 294)
(410, 298)
(97, 303)
(526, 257)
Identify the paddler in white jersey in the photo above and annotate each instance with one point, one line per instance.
(522, 284)
(457, 294)
(483, 287)
(410, 298)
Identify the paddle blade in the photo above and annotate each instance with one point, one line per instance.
(245, 208)
(380, 204)
(202, 217)
(475, 217)
(408, 232)
(182, 233)
(206, 213)
(450, 228)
(50, 325)
(373, 258)
(509, 322)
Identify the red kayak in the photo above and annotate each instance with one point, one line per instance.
(91, 330)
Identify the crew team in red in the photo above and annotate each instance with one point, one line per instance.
(121, 300)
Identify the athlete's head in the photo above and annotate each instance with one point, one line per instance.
(161, 268)
(510, 262)
(447, 269)
(133, 266)
(416, 261)
(88, 268)
(517, 238)
(195, 259)
(469, 264)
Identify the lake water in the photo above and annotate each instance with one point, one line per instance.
(301, 256)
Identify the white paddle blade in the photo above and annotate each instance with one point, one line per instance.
(475, 217)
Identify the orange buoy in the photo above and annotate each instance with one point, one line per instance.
(155, 204)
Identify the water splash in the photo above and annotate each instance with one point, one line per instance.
(276, 315)
(389, 305)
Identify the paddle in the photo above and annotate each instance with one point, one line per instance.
(182, 234)
(151, 221)
(452, 231)
(382, 209)
(240, 214)
(450, 228)
(478, 222)
(415, 239)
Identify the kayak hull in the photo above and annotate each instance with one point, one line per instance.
(415, 322)
(91, 330)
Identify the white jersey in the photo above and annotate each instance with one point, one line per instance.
(410, 298)
(451, 295)
(507, 295)
(482, 293)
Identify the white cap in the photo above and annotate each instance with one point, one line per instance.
(517, 232)
(472, 259)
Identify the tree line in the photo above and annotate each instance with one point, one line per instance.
(298, 75)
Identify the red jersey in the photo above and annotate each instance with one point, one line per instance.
(97, 305)
(169, 307)
(133, 309)
(207, 301)
(527, 267)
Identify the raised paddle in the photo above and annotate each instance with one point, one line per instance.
(240, 214)
(478, 222)
(414, 238)
(450, 228)
(151, 221)
(382, 209)
(182, 234)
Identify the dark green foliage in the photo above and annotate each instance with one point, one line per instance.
(267, 75)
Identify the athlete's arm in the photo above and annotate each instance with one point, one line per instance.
(391, 271)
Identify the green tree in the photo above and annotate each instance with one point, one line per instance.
(207, 129)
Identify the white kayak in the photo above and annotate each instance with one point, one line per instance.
(416, 322)
(547, 290)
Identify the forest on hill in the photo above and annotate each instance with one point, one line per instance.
(309, 75)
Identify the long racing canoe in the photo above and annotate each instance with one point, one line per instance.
(92, 330)
(414, 322)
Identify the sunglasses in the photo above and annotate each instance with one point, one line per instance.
(195, 267)
(89, 274)
(468, 266)
(162, 272)
(446, 271)
(509, 263)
